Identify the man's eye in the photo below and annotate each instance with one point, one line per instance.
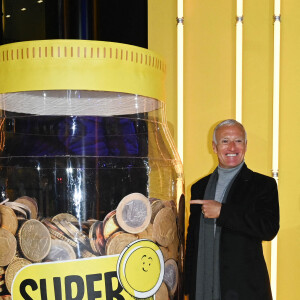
(238, 141)
(224, 141)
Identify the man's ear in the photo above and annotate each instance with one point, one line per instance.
(214, 146)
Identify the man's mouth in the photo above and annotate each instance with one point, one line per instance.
(231, 154)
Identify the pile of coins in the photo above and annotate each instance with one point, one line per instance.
(26, 239)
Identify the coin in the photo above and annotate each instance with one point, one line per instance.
(96, 237)
(85, 254)
(171, 251)
(83, 226)
(110, 224)
(164, 226)
(171, 276)
(118, 241)
(2, 282)
(8, 247)
(147, 233)
(64, 216)
(134, 213)
(76, 234)
(61, 236)
(60, 250)
(171, 203)
(34, 240)
(9, 219)
(57, 223)
(51, 225)
(162, 293)
(156, 206)
(13, 268)
(19, 210)
(31, 203)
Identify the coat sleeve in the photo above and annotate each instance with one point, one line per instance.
(191, 243)
(254, 211)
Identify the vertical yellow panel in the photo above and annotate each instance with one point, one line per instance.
(258, 82)
(289, 161)
(209, 79)
(162, 39)
(257, 89)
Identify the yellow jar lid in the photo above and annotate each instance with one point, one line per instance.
(81, 65)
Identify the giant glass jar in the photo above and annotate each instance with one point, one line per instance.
(87, 165)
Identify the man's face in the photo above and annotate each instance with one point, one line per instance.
(231, 146)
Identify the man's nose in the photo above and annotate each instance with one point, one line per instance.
(231, 145)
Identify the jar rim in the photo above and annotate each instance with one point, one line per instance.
(81, 65)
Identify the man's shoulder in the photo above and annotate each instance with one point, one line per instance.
(258, 177)
(201, 182)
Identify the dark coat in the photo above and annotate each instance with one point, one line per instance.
(249, 216)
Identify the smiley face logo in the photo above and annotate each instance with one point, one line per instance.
(140, 268)
(147, 261)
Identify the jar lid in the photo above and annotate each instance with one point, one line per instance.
(46, 65)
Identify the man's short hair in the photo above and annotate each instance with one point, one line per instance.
(228, 122)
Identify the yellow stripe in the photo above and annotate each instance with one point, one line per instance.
(81, 65)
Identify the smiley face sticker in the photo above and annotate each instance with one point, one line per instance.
(140, 268)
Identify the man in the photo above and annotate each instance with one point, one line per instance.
(232, 211)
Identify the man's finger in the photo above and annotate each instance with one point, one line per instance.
(197, 201)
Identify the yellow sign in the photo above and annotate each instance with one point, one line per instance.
(136, 273)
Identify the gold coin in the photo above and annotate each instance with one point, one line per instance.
(85, 253)
(172, 251)
(162, 293)
(164, 227)
(76, 234)
(34, 240)
(171, 203)
(118, 241)
(57, 223)
(51, 225)
(156, 206)
(147, 233)
(134, 213)
(57, 235)
(9, 220)
(31, 203)
(13, 268)
(110, 224)
(8, 247)
(64, 216)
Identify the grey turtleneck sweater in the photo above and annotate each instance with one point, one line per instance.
(225, 179)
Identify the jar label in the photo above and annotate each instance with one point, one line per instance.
(106, 277)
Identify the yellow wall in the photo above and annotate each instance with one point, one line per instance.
(162, 39)
(289, 160)
(209, 83)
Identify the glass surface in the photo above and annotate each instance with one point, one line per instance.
(82, 161)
